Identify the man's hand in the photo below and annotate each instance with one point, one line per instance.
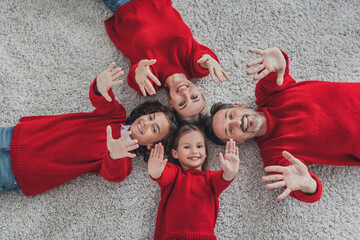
(156, 163)
(272, 60)
(142, 75)
(118, 148)
(294, 177)
(230, 162)
(209, 63)
(106, 80)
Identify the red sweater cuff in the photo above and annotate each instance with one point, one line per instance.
(309, 198)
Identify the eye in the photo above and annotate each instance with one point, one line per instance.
(230, 116)
(150, 117)
(181, 104)
(200, 146)
(154, 130)
(194, 97)
(230, 130)
(186, 147)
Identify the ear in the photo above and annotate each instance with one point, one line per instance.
(174, 153)
(150, 146)
(171, 105)
(239, 105)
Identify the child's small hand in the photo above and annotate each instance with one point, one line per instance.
(118, 148)
(271, 60)
(156, 163)
(231, 161)
(106, 80)
(208, 62)
(142, 75)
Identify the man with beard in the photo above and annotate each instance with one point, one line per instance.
(295, 125)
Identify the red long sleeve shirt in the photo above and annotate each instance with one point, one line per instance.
(189, 203)
(316, 121)
(47, 151)
(147, 29)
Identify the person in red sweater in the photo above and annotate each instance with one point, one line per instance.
(189, 202)
(43, 152)
(162, 53)
(295, 125)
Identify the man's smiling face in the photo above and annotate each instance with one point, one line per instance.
(238, 123)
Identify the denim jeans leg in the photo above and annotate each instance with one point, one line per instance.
(114, 4)
(7, 178)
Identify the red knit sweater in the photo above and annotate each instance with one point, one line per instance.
(189, 203)
(316, 121)
(47, 151)
(148, 29)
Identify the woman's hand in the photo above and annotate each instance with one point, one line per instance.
(208, 62)
(142, 75)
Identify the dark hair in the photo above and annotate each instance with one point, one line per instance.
(149, 108)
(184, 129)
(208, 122)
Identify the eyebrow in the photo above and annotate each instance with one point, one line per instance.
(196, 100)
(226, 131)
(158, 127)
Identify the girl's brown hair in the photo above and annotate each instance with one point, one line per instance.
(184, 129)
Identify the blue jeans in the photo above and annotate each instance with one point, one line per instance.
(7, 178)
(114, 4)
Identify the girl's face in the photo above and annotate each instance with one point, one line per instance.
(150, 128)
(191, 151)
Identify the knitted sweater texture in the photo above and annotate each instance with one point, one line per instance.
(316, 121)
(189, 203)
(47, 151)
(148, 29)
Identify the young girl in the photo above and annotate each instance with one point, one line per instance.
(189, 203)
(43, 152)
(162, 52)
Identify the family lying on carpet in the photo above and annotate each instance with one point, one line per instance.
(295, 125)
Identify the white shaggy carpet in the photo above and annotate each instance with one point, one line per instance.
(50, 51)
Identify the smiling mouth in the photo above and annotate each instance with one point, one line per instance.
(193, 158)
(140, 128)
(182, 87)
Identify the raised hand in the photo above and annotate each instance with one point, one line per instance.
(142, 75)
(118, 148)
(208, 62)
(271, 60)
(106, 80)
(294, 177)
(156, 163)
(230, 162)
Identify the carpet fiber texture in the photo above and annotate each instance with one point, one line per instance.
(50, 51)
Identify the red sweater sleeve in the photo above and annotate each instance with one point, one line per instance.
(267, 86)
(115, 170)
(217, 182)
(101, 104)
(196, 71)
(168, 175)
(299, 195)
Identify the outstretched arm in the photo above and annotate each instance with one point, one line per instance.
(215, 69)
(230, 161)
(156, 163)
(294, 177)
(271, 60)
